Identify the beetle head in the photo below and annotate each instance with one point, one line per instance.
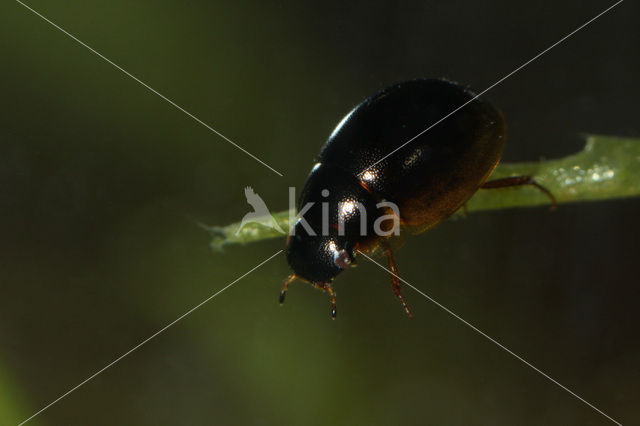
(317, 258)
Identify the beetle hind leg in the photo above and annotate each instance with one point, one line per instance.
(520, 181)
(395, 282)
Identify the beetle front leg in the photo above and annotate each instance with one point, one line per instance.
(332, 296)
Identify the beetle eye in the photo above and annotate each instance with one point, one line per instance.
(342, 259)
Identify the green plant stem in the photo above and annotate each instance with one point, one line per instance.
(607, 168)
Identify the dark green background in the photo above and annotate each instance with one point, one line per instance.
(98, 177)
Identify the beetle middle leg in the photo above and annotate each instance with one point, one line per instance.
(520, 181)
(395, 281)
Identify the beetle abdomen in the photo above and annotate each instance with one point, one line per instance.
(433, 175)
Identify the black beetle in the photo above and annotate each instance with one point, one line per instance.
(367, 161)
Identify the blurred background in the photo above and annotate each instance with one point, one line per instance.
(99, 177)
